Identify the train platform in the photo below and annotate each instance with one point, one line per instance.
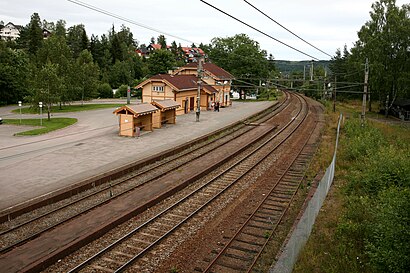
(31, 167)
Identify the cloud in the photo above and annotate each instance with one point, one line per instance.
(326, 24)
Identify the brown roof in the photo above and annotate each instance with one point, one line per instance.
(137, 110)
(158, 46)
(178, 82)
(213, 69)
(165, 104)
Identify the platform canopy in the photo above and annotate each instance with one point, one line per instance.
(136, 110)
(165, 105)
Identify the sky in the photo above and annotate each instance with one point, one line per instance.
(326, 24)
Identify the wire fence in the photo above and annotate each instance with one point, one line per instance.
(302, 230)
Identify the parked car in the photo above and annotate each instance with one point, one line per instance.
(1, 120)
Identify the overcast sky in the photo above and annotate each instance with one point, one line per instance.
(327, 24)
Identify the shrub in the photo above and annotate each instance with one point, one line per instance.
(388, 244)
(104, 91)
(361, 140)
(121, 91)
(375, 226)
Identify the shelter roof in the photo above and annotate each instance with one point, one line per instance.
(137, 110)
(165, 104)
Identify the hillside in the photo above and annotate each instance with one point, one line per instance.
(293, 66)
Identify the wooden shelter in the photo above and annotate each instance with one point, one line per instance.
(134, 118)
(167, 113)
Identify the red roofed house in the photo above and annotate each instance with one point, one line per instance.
(191, 53)
(180, 88)
(214, 76)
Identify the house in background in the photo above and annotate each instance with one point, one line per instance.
(212, 75)
(10, 32)
(142, 52)
(183, 89)
(191, 54)
(46, 33)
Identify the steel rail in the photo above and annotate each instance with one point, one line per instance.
(145, 250)
(262, 202)
(108, 188)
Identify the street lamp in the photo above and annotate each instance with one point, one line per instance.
(20, 110)
(199, 82)
(40, 104)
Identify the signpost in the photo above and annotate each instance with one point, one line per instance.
(128, 95)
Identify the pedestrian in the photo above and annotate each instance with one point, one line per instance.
(213, 106)
(217, 106)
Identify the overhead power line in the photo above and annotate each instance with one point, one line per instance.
(254, 28)
(94, 8)
(287, 29)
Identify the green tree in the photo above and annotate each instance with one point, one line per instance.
(31, 36)
(45, 86)
(87, 74)
(241, 56)
(14, 73)
(55, 51)
(384, 40)
(120, 73)
(178, 53)
(60, 28)
(162, 41)
(116, 49)
(77, 39)
(126, 37)
(100, 49)
(161, 61)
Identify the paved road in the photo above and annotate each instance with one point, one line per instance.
(36, 165)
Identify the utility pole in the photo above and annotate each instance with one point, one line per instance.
(334, 96)
(366, 80)
(304, 72)
(198, 99)
(311, 71)
(324, 93)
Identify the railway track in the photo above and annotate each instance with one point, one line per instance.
(133, 249)
(241, 252)
(32, 225)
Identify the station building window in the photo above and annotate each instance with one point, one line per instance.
(158, 88)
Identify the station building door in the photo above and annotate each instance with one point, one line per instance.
(191, 103)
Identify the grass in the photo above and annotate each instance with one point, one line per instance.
(67, 108)
(48, 125)
(325, 250)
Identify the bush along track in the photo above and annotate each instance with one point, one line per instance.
(372, 191)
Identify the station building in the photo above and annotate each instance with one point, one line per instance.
(214, 76)
(181, 85)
